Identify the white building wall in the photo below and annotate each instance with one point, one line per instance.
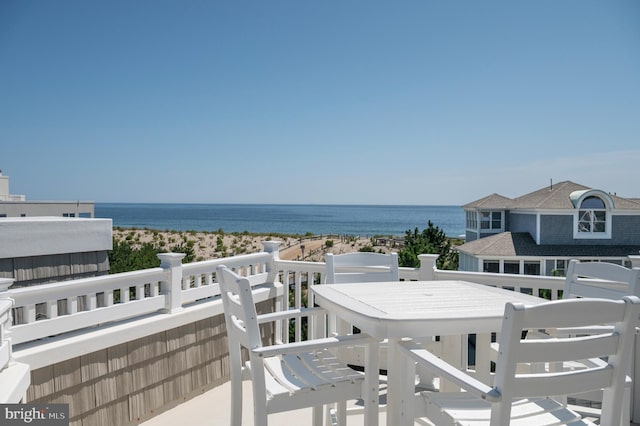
(40, 236)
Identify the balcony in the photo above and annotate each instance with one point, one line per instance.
(150, 346)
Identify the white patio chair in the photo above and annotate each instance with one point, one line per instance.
(528, 399)
(358, 267)
(593, 280)
(367, 267)
(284, 376)
(598, 280)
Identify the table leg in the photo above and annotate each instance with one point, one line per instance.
(400, 387)
(483, 358)
(371, 395)
(452, 353)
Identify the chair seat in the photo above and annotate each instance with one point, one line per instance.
(309, 378)
(468, 410)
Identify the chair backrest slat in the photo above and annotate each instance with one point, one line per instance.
(587, 313)
(362, 267)
(601, 280)
(558, 350)
(566, 383)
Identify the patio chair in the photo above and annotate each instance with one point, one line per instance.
(284, 376)
(356, 268)
(529, 399)
(367, 267)
(591, 280)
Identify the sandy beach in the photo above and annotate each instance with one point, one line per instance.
(212, 245)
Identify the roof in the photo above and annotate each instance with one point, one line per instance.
(508, 244)
(555, 196)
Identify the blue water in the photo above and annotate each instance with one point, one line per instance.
(363, 220)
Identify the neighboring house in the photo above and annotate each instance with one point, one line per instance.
(538, 233)
(17, 205)
(49, 241)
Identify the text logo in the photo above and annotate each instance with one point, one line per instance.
(34, 414)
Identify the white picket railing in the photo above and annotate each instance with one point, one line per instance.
(14, 377)
(62, 308)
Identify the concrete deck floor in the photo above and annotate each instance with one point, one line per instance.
(212, 408)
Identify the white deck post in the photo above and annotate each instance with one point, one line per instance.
(272, 247)
(172, 288)
(427, 266)
(635, 363)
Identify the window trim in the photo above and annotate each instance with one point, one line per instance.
(591, 235)
(491, 220)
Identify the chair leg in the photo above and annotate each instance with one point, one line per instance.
(236, 402)
(317, 415)
(625, 418)
(342, 413)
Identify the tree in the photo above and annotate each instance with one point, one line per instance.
(431, 240)
(125, 258)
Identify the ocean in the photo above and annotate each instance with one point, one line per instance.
(361, 220)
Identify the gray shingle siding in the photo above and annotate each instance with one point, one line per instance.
(556, 229)
(522, 223)
(625, 230)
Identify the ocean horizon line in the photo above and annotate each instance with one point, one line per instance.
(273, 204)
(290, 219)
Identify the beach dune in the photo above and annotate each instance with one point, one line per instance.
(212, 245)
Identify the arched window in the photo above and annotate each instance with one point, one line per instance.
(592, 216)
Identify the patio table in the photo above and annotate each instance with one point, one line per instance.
(393, 310)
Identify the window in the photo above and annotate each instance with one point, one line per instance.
(491, 266)
(561, 268)
(511, 267)
(491, 220)
(531, 268)
(592, 216)
(472, 220)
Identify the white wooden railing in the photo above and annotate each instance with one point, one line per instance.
(79, 306)
(14, 377)
(59, 308)
(5, 323)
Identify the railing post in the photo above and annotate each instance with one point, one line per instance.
(427, 266)
(272, 247)
(5, 283)
(6, 321)
(635, 367)
(172, 288)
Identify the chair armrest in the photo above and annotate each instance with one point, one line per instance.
(443, 369)
(310, 345)
(290, 313)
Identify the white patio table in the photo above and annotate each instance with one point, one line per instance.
(393, 310)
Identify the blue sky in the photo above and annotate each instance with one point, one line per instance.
(411, 102)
